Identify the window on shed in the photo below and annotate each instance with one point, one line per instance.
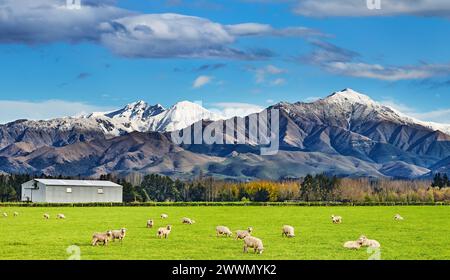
(100, 190)
(68, 190)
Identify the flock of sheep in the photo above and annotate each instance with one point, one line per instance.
(59, 216)
(249, 241)
(246, 235)
(362, 241)
(104, 238)
(5, 215)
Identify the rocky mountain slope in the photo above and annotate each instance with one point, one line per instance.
(138, 116)
(345, 134)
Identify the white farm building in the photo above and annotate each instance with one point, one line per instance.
(71, 191)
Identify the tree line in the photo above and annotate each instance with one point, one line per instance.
(440, 181)
(320, 187)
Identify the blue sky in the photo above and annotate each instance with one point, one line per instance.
(244, 54)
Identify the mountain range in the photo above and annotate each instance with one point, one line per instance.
(345, 134)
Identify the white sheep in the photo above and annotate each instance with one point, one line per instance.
(150, 223)
(253, 242)
(187, 221)
(397, 217)
(365, 242)
(46, 216)
(336, 219)
(288, 231)
(164, 232)
(118, 234)
(101, 238)
(352, 245)
(5, 215)
(241, 234)
(16, 214)
(164, 216)
(223, 230)
(61, 216)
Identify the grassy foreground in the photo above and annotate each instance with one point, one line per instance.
(424, 234)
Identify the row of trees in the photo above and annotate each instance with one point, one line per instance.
(311, 188)
(440, 181)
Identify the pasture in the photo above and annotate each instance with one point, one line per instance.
(424, 234)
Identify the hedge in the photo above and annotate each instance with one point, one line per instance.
(181, 204)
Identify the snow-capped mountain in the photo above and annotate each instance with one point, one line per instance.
(357, 106)
(181, 115)
(348, 100)
(137, 111)
(346, 134)
(142, 117)
(351, 96)
(135, 117)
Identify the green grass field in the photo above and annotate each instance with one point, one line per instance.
(424, 234)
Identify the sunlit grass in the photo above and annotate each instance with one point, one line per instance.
(424, 234)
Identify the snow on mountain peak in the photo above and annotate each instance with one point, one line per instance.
(140, 116)
(348, 95)
(182, 115)
(136, 111)
(193, 111)
(186, 105)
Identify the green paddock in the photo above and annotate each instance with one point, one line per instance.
(424, 234)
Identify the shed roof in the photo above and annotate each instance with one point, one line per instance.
(83, 183)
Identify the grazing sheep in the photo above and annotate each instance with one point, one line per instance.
(16, 214)
(352, 245)
(397, 217)
(61, 216)
(5, 215)
(164, 216)
(253, 242)
(187, 221)
(336, 219)
(223, 230)
(150, 224)
(46, 216)
(101, 238)
(365, 242)
(164, 232)
(241, 234)
(119, 234)
(288, 231)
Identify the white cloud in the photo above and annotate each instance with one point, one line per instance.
(48, 21)
(312, 99)
(258, 29)
(131, 34)
(165, 35)
(249, 29)
(175, 35)
(232, 109)
(269, 70)
(13, 110)
(278, 82)
(388, 73)
(201, 81)
(345, 62)
(437, 116)
(358, 8)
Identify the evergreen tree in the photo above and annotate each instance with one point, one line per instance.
(445, 181)
(438, 181)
